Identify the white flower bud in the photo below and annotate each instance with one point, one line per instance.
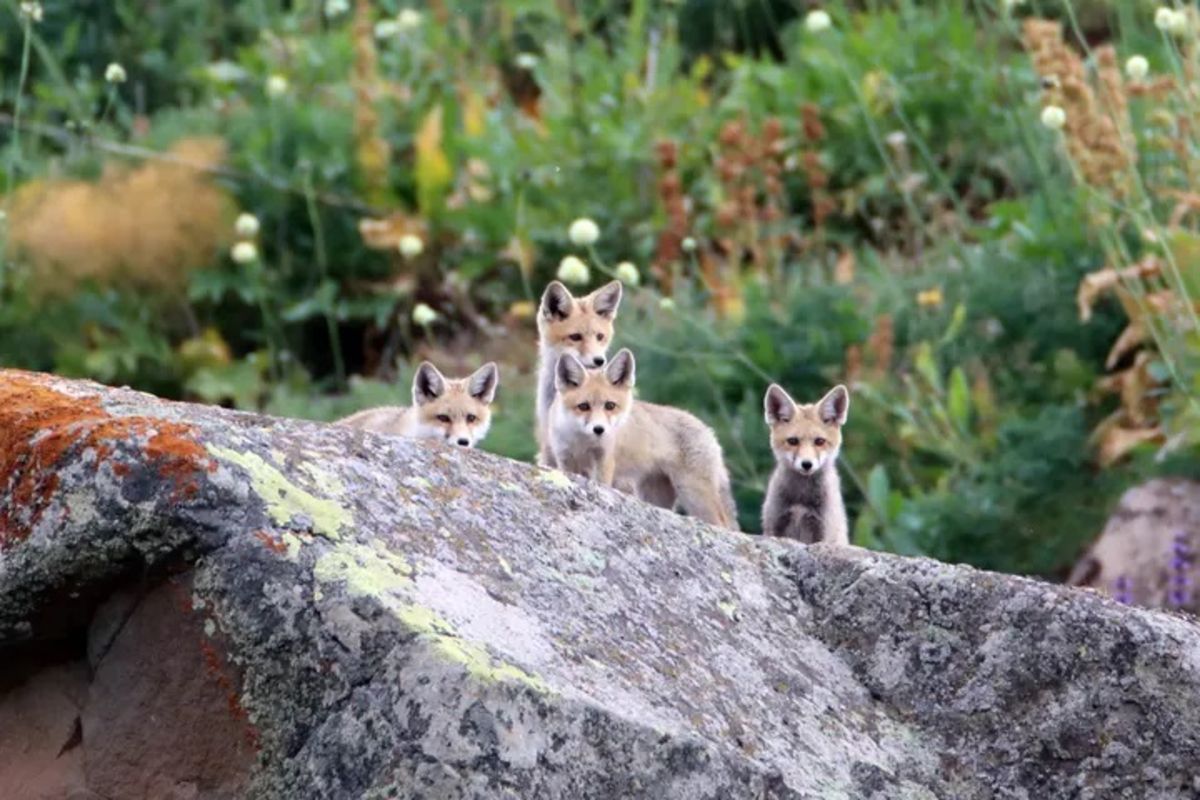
(1137, 68)
(246, 226)
(1054, 118)
(423, 315)
(818, 21)
(573, 270)
(277, 86)
(115, 73)
(244, 253)
(627, 273)
(583, 232)
(411, 245)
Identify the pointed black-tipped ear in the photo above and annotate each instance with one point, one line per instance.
(778, 406)
(622, 369)
(483, 383)
(428, 384)
(835, 406)
(568, 373)
(556, 301)
(606, 299)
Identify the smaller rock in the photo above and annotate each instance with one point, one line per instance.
(1149, 552)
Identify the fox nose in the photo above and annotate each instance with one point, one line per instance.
(464, 442)
(598, 430)
(598, 361)
(806, 465)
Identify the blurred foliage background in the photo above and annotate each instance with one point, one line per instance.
(282, 206)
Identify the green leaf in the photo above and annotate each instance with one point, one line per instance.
(320, 303)
(958, 401)
(927, 368)
(957, 320)
(878, 488)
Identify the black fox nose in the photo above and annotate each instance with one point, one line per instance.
(598, 429)
(806, 465)
(598, 361)
(464, 442)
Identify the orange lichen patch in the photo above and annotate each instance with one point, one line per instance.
(41, 426)
(217, 669)
(274, 543)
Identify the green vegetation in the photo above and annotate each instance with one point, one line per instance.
(283, 206)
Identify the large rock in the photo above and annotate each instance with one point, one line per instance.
(1149, 552)
(343, 615)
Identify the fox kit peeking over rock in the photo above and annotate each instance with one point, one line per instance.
(581, 327)
(455, 411)
(804, 497)
(660, 454)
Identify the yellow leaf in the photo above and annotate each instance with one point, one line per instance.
(1095, 284)
(1114, 442)
(843, 269)
(434, 173)
(474, 112)
(878, 92)
(520, 251)
(1133, 335)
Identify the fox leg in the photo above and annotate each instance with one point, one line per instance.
(607, 468)
(657, 490)
(702, 499)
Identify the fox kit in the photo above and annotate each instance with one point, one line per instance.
(804, 497)
(455, 411)
(661, 454)
(582, 327)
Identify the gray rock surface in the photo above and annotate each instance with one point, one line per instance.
(385, 618)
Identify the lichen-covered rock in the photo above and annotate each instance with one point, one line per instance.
(388, 618)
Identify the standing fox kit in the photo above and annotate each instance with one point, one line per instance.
(581, 327)
(455, 411)
(660, 454)
(804, 497)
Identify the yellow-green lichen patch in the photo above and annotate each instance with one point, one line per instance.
(445, 642)
(417, 482)
(321, 477)
(556, 478)
(293, 544)
(373, 571)
(728, 608)
(365, 571)
(285, 500)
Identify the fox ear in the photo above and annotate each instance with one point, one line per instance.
(606, 299)
(778, 406)
(428, 384)
(556, 301)
(568, 373)
(483, 383)
(622, 369)
(835, 406)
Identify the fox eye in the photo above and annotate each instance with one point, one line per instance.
(610, 405)
(443, 418)
(576, 337)
(471, 418)
(819, 442)
(584, 406)
(599, 337)
(793, 440)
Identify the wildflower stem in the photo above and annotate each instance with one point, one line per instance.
(322, 254)
(15, 147)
